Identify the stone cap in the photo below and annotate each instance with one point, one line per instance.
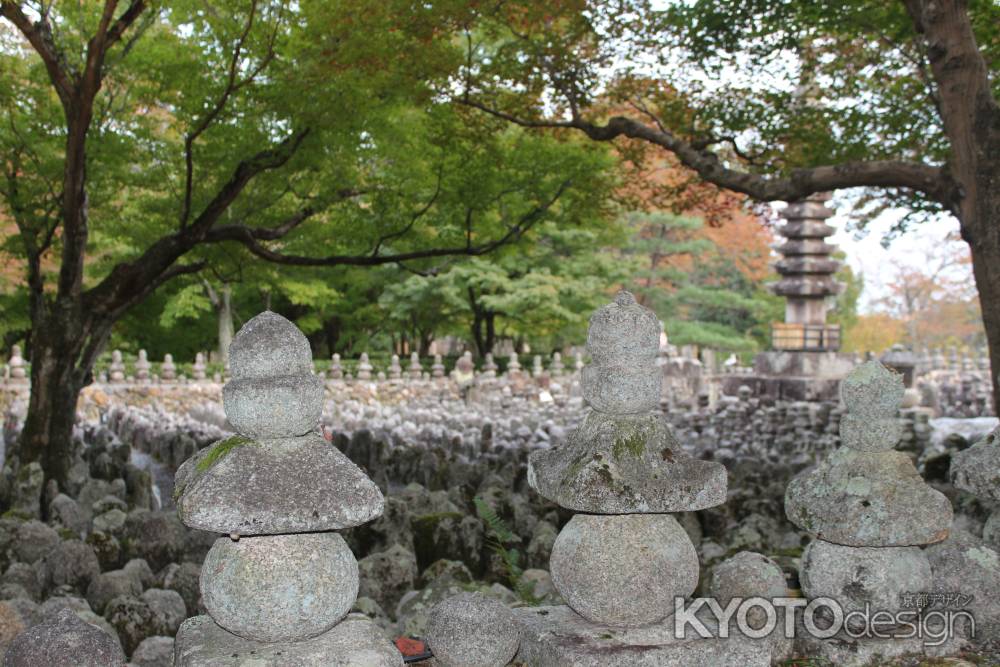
(623, 332)
(267, 346)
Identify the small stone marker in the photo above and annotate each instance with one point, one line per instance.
(395, 370)
(142, 367)
(866, 494)
(168, 372)
(280, 581)
(364, 367)
(415, 370)
(336, 372)
(198, 370)
(557, 367)
(16, 365)
(116, 371)
(513, 365)
(489, 366)
(437, 368)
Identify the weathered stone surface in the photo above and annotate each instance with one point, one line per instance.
(287, 485)
(623, 332)
(866, 434)
(623, 339)
(746, 575)
(109, 585)
(184, 578)
(859, 576)
(868, 499)
(354, 642)
(991, 530)
(872, 391)
(279, 587)
(167, 608)
(32, 540)
(622, 390)
(64, 641)
(156, 537)
(71, 563)
(472, 630)
(387, 575)
(625, 464)
(977, 469)
(843, 650)
(965, 565)
(154, 652)
(273, 393)
(274, 407)
(131, 618)
(64, 512)
(268, 345)
(556, 636)
(624, 570)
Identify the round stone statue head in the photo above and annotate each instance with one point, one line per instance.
(273, 392)
(623, 332)
(872, 391)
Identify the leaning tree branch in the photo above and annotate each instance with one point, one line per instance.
(799, 183)
(127, 282)
(250, 237)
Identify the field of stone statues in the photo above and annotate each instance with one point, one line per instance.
(461, 512)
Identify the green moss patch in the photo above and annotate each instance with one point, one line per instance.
(219, 451)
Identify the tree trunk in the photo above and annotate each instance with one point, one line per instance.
(477, 332)
(61, 363)
(491, 332)
(983, 237)
(225, 313)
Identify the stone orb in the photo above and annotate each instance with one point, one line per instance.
(624, 570)
(275, 588)
(285, 406)
(855, 576)
(472, 630)
(619, 390)
(865, 434)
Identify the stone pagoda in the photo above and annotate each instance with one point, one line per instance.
(869, 512)
(807, 282)
(623, 559)
(279, 582)
(803, 363)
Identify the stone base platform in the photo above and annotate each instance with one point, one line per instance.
(354, 642)
(559, 637)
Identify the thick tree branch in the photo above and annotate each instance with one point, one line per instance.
(800, 183)
(127, 282)
(251, 237)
